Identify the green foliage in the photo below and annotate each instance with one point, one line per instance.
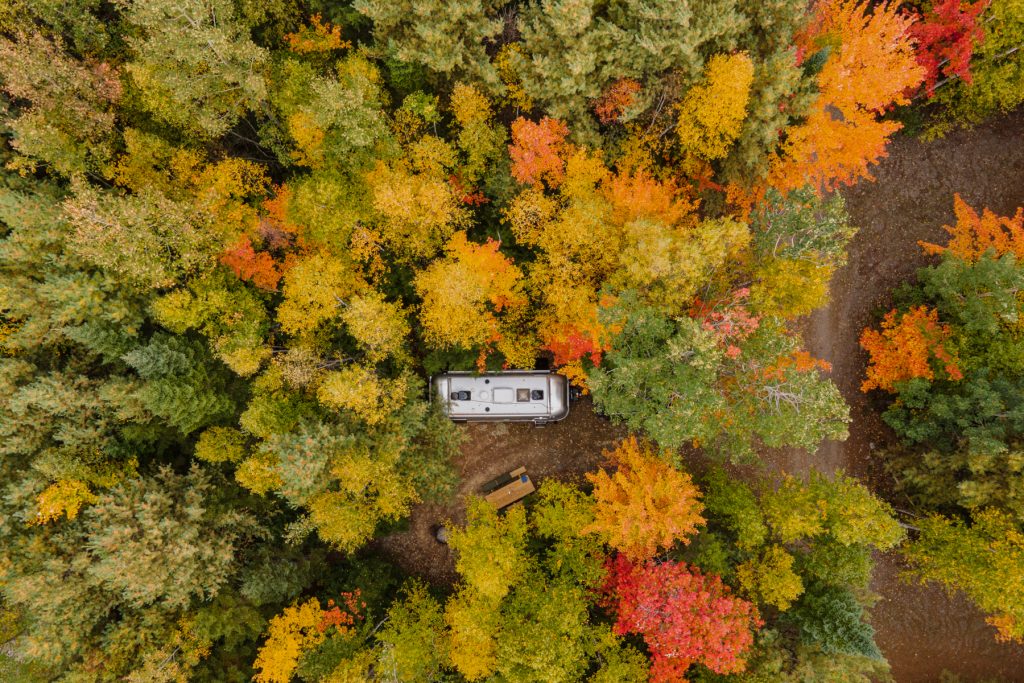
(412, 642)
(221, 444)
(325, 119)
(771, 578)
(70, 123)
(428, 463)
(803, 225)
(833, 620)
(194, 63)
(543, 634)
(983, 559)
(180, 383)
(962, 438)
(490, 549)
(232, 236)
(665, 377)
(673, 38)
(842, 507)
(164, 539)
(660, 362)
(228, 314)
(146, 240)
(446, 37)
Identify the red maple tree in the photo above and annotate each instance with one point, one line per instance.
(728, 319)
(946, 36)
(684, 616)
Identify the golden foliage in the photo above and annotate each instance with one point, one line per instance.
(291, 633)
(418, 213)
(770, 578)
(464, 293)
(221, 444)
(360, 390)
(313, 291)
(258, 473)
(505, 63)
(473, 621)
(380, 327)
(789, 288)
(318, 36)
(711, 114)
(65, 497)
(646, 505)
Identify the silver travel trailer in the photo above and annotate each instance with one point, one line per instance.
(513, 396)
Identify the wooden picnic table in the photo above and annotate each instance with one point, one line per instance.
(515, 490)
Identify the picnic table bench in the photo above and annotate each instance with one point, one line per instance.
(508, 488)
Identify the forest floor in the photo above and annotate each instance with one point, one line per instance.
(921, 630)
(564, 450)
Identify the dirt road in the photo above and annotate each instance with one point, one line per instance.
(920, 630)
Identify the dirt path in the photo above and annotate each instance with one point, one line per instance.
(920, 629)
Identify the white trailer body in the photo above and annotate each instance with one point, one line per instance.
(513, 396)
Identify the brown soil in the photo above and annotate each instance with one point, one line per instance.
(565, 449)
(921, 630)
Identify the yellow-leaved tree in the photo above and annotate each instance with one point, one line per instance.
(417, 212)
(712, 113)
(465, 293)
(314, 291)
(291, 633)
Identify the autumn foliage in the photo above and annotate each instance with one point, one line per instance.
(946, 37)
(728, 319)
(254, 266)
(974, 234)
(464, 293)
(318, 36)
(646, 505)
(616, 100)
(538, 151)
(871, 66)
(684, 616)
(909, 345)
(711, 114)
(299, 629)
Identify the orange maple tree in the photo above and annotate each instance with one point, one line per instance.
(275, 232)
(254, 266)
(318, 36)
(909, 345)
(645, 505)
(538, 151)
(975, 234)
(640, 195)
(613, 103)
(871, 67)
